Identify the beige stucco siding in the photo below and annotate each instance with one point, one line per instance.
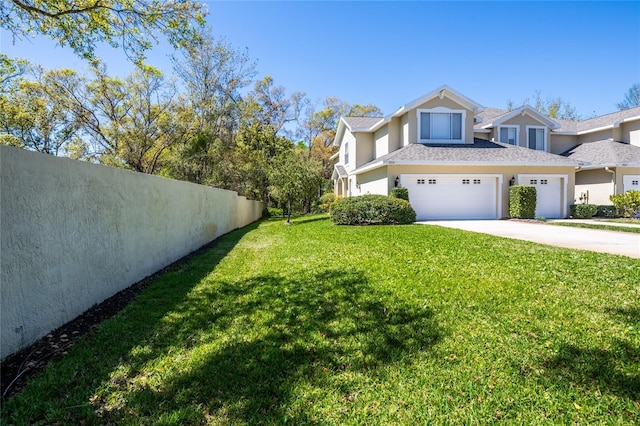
(381, 138)
(404, 132)
(522, 122)
(365, 148)
(595, 136)
(631, 132)
(601, 183)
(561, 143)
(597, 184)
(372, 181)
(482, 135)
(395, 137)
(348, 143)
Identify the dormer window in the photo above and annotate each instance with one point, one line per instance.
(509, 134)
(536, 138)
(441, 125)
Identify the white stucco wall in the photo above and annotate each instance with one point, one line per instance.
(73, 234)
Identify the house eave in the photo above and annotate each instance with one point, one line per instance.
(460, 163)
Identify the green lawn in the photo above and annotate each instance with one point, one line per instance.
(319, 324)
(603, 226)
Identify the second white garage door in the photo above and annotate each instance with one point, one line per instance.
(549, 199)
(453, 196)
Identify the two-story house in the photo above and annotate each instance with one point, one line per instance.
(458, 159)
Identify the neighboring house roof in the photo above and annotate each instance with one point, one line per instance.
(602, 122)
(605, 153)
(526, 109)
(480, 152)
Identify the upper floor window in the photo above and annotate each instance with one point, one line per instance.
(441, 125)
(346, 153)
(509, 134)
(536, 138)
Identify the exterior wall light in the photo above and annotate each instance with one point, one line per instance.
(396, 181)
(512, 181)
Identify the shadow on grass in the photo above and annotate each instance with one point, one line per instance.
(279, 333)
(96, 355)
(613, 369)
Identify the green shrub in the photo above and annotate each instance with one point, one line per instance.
(627, 203)
(273, 212)
(401, 193)
(372, 210)
(608, 211)
(324, 204)
(522, 201)
(583, 211)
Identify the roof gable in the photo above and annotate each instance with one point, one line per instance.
(441, 92)
(523, 110)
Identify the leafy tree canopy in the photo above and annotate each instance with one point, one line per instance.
(631, 98)
(81, 24)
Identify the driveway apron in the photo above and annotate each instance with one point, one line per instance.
(621, 243)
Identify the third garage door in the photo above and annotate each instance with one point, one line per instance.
(453, 196)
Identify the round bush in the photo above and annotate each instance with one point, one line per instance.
(372, 210)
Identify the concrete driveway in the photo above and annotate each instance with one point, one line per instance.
(622, 243)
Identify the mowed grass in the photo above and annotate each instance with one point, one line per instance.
(602, 226)
(319, 324)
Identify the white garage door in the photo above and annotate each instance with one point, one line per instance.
(549, 198)
(452, 196)
(631, 182)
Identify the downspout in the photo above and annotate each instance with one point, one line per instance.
(613, 172)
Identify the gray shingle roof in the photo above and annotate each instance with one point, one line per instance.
(340, 171)
(488, 115)
(481, 151)
(605, 153)
(607, 119)
(491, 114)
(361, 122)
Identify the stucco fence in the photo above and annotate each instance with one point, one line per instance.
(73, 234)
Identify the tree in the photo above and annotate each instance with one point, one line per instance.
(214, 74)
(293, 176)
(29, 118)
(133, 25)
(631, 98)
(10, 70)
(271, 106)
(554, 107)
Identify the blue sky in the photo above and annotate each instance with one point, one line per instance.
(388, 53)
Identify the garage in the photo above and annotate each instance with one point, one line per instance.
(443, 196)
(550, 198)
(631, 182)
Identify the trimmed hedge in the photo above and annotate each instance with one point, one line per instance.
(522, 201)
(402, 193)
(627, 203)
(608, 211)
(583, 211)
(325, 201)
(372, 210)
